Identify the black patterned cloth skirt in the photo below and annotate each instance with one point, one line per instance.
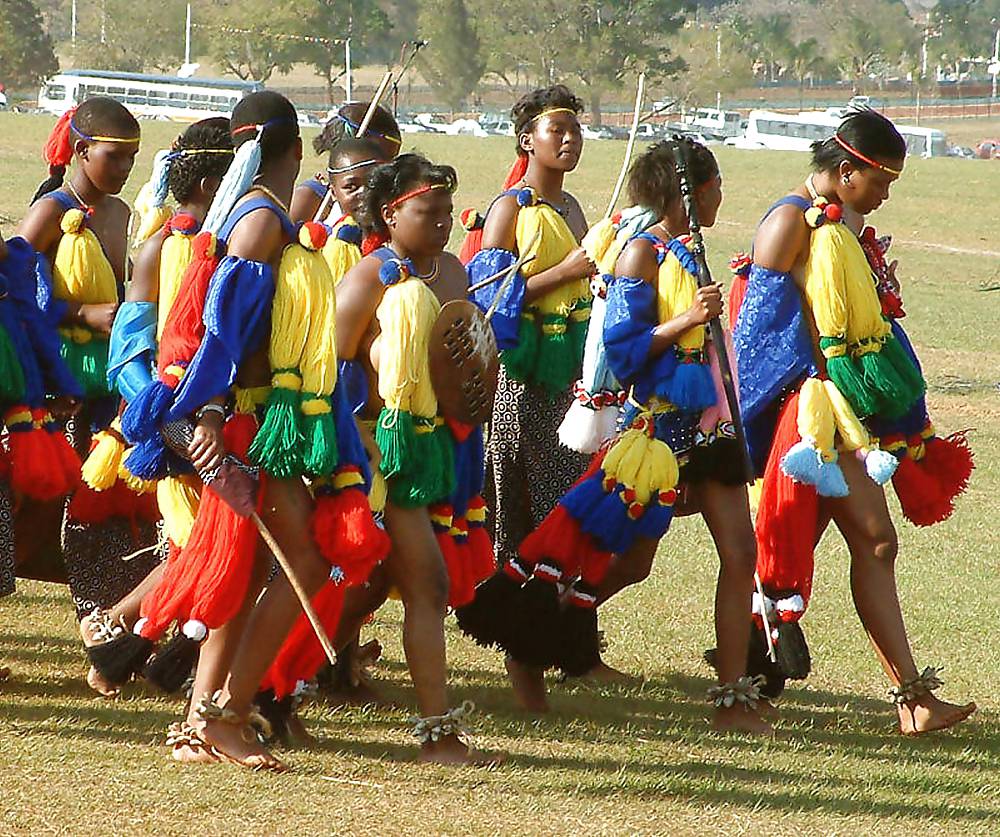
(6, 541)
(530, 469)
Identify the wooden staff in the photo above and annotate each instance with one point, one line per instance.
(640, 89)
(369, 114)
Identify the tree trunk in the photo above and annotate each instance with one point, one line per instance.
(595, 107)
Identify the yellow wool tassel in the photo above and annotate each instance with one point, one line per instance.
(599, 244)
(377, 494)
(340, 255)
(176, 253)
(549, 249)
(178, 503)
(152, 218)
(406, 316)
(81, 272)
(100, 471)
(852, 432)
(815, 419)
(136, 484)
(675, 293)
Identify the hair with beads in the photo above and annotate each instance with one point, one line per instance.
(391, 181)
(186, 170)
(865, 131)
(653, 181)
(347, 120)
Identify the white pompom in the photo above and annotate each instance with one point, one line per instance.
(195, 630)
(585, 430)
(138, 626)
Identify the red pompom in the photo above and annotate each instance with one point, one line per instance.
(181, 222)
(312, 236)
(833, 211)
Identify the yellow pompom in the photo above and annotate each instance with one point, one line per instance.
(72, 220)
(100, 471)
(178, 503)
(813, 216)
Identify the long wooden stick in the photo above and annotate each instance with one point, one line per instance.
(630, 147)
(303, 596)
(369, 114)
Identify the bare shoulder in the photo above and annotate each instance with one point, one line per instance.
(575, 217)
(781, 239)
(305, 202)
(501, 223)
(258, 236)
(638, 261)
(362, 277)
(454, 280)
(145, 283)
(40, 226)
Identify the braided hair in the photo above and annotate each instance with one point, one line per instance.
(187, 170)
(653, 182)
(392, 180)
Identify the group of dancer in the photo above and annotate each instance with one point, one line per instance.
(227, 410)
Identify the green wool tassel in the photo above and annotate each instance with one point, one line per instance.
(396, 440)
(11, 373)
(908, 371)
(849, 379)
(88, 363)
(520, 361)
(432, 477)
(278, 445)
(558, 363)
(321, 453)
(894, 394)
(577, 330)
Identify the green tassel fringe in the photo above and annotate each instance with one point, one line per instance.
(895, 395)
(278, 445)
(909, 373)
(520, 361)
(321, 453)
(577, 331)
(11, 373)
(558, 363)
(88, 362)
(431, 475)
(396, 440)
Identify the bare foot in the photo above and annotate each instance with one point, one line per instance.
(452, 750)
(740, 719)
(237, 743)
(100, 685)
(297, 730)
(766, 709)
(528, 683)
(928, 714)
(603, 673)
(187, 746)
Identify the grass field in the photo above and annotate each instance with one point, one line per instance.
(606, 761)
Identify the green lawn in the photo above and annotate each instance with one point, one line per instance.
(609, 761)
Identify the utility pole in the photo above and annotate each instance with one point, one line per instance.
(187, 36)
(72, 24)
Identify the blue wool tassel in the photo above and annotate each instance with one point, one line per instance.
(582, 500)
(802, 463)
(144, 414)
(881, 465)
(831, 482)
(351, 233)
(692, 388)
(655, 521)
(610, 524)
(148, 460)
(160, 178)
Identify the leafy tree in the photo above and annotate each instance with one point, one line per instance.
(714, 63)
(868, 38)
(362, 20)
(26, 54)
(451, 63)
(253, 38)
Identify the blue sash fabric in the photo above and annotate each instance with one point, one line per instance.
(506, 320)
(132, 349)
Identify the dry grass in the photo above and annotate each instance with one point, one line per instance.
(606, 761)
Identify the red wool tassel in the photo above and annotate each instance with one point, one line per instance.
(950, 462)
(737, 292)
(91, 507)
(458, 582)
(371, 242)
(301, 654)
(921, 497)
(58, 151)
(473, 242)
(69, 460)
(559, 541)
(4, 465)
(36, 467)
(347, 535)
(786, 517)
(185, 328)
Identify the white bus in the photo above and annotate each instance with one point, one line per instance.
(170, 97)
(797, 131)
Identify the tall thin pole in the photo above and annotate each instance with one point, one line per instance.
(187, 36)
(996, 62)
(349, 84)
(72, 24)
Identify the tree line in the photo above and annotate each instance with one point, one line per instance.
(689, 51)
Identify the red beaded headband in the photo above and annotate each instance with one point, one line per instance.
(874, 164)
(416, 193)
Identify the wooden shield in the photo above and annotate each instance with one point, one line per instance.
(464, 363)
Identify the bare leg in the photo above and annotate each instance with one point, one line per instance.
(864, 521)
(727, 513)
(417, 569)
(286, 514)
(125, 612)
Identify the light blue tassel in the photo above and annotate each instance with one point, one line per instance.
(881, 465)
(235, 184)
(801, 463)
(831, 482)
(160, 178)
